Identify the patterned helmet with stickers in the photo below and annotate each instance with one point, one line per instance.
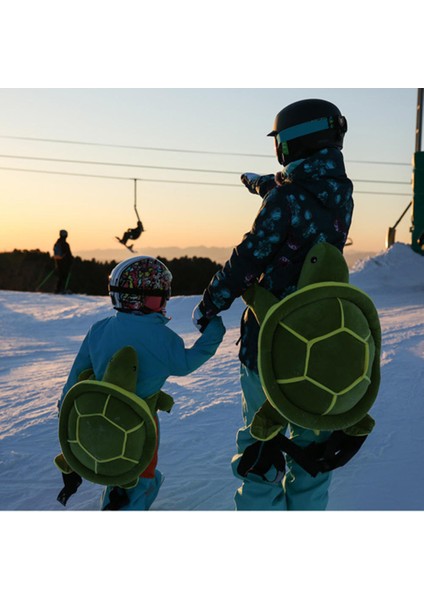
(140, 284)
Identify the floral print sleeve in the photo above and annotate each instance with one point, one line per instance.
(311, 203)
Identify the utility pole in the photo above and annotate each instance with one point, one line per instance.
(419, 125)
(417, 228)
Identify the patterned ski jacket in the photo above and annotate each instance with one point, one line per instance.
(313, 204)
(161, 352)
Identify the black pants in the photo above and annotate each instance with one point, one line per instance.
(62, 272)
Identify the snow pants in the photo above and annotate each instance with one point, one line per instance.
(142, 496)
(298, 490)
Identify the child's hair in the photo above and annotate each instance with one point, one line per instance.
(141, 284)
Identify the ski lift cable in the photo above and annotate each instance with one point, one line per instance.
(45, 172)
(167, 168)
(132, 147)
(111, 164)
(181, 150)
(149, 180)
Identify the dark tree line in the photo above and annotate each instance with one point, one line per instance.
(25, 270)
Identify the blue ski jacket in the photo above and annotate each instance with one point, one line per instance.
(314, 204)
(161, 352)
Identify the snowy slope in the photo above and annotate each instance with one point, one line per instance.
(41, 333)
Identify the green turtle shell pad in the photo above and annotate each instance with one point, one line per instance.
(319, 356)
(107, 434)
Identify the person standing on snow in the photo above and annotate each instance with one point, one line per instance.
(139, 288)
(63, 260)
(308, 202)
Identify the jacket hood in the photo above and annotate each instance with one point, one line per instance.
(323, 175)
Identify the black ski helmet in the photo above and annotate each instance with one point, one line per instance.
(304, 127)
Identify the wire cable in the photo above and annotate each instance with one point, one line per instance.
(238, 185)
(117, 177)
(167, 168)
(182, 150)
(127, 146)
(110, 164)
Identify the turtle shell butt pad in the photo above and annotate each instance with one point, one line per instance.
(319, 348)
(107, 433)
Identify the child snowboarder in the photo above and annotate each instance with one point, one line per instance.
(139, 288)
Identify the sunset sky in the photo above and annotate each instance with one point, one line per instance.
(184, 140)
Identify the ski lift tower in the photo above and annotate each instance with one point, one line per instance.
(417, 228)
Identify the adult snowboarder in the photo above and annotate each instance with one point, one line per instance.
(63, 261)
(139, 288)
(308, 202)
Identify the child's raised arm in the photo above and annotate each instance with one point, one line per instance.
(184, 360)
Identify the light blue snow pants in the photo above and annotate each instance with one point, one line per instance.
(142, 496)
(298, 490)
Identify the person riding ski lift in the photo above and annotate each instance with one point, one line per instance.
(131, 234)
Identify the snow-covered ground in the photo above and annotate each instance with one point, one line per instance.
(41, 333)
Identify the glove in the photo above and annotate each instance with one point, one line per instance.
(335, 452)
(315, 458)
(279, 178)
(251, 181)
(72, 482)
(199, 317)
(258, 458)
